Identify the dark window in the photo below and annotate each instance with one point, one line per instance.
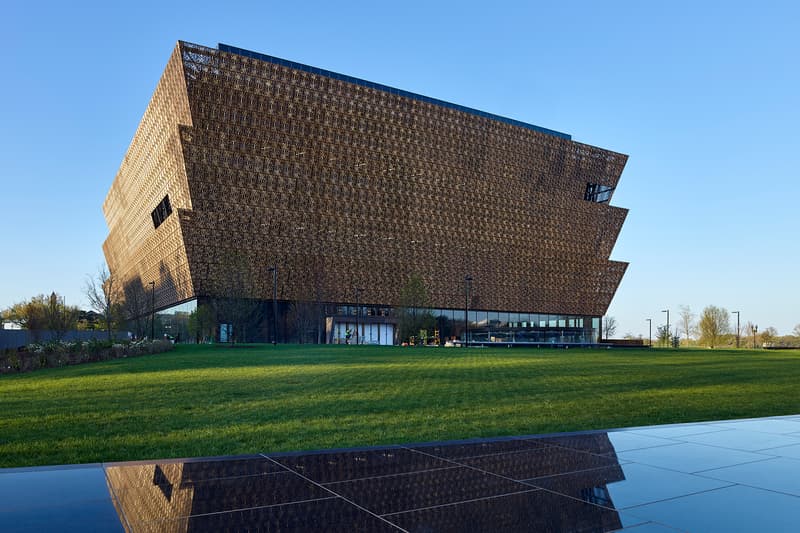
(161, 212)
(597, 495)
(598, 193)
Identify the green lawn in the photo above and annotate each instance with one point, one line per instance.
(209, 400)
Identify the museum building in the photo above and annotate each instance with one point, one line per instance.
(316, 197)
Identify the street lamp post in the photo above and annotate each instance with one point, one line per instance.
(755, 330)
(737, 327)
(274, 270)
(650, 332)
(152, 310)
(667, 311)
(467, 289)
(358, 312)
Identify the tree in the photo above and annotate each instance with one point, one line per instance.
(305, 317)
(44, 313)
(796, 330)
(104, 297)
(663, 335)
(750, 331)
(609, 326)
(714, 322)
(60, 317)
(687, 321)
(414, 314)
(29, 315)
(136, 306)
(201, 323)
(768, 335)
(235, 306)
(88, 320)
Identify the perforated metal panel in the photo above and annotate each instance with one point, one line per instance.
(346, 185)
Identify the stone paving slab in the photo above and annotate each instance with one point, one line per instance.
(735, 475)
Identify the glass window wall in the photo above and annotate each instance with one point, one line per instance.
(173, 323)
(511, 327)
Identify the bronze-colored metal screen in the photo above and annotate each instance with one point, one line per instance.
(345, 184)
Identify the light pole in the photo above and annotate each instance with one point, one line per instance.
(755, 330)
(358, 311)
(274, 270)
(737, 327)
(467, 289)
(667, 311)
(650, 332)
(152, 310)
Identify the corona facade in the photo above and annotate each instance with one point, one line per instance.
(315, 197)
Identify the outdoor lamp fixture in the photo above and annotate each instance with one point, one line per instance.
(755, 330)
(737, 327)
(467, 290)
(667, 311)
(152, 310)
(650, 332)
(358, 311)
(274, 270)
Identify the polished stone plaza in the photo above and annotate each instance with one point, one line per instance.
(736, 475)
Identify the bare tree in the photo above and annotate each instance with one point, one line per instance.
(104, 296)
(304, 316)
(413, 314)
(609, 326)
(319, 294)
(750, 330)
(235, 306)
(714, 322)
(796, 330)
(687, 321)
(136, 306)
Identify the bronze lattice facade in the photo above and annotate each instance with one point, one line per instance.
(347, 184)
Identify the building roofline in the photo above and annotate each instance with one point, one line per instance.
(386, 88)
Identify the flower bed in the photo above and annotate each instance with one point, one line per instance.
(62, 353)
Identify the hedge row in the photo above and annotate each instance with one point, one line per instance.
(60, 353)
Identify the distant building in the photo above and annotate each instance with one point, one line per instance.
(244, 161)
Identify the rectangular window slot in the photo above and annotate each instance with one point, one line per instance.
(598, 193)
(161, 212)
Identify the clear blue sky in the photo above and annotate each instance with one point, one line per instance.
(704, 98)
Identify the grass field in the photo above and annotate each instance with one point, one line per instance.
(211, 400)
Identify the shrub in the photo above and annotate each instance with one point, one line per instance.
(57, 354)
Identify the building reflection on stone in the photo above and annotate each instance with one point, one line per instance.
(516, 489)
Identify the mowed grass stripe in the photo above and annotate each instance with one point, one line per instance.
(217, 400)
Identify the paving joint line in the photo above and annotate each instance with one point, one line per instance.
(338, 495)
